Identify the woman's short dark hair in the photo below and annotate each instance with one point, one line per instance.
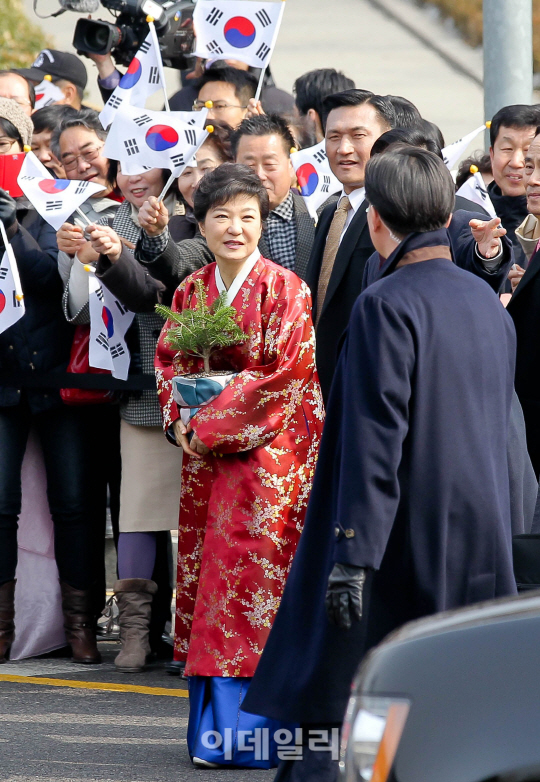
(411, 189)
(480, 159)
(112, 173)
(414, 137)
(229, 181)
(8, 129)
(49, 117)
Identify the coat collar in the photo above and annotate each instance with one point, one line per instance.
(530, 273)
(418, 247)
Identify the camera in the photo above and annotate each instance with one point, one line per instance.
(173, 22)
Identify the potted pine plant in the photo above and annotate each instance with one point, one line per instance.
(200, 332)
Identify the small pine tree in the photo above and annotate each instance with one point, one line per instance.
(202, 330)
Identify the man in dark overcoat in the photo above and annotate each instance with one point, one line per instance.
(411, 491)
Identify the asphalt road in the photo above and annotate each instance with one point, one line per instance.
(67, 734)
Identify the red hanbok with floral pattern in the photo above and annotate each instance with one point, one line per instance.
(242, 506)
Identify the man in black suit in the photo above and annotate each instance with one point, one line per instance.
(524, 307)
(354, 121)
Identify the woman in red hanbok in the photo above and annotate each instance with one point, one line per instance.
(247, 480)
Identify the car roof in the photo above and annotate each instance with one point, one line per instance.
(515, 607)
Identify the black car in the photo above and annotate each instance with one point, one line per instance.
(452, 698)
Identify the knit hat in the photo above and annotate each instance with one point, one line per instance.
(11, 111)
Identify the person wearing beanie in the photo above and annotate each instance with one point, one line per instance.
(37, 344)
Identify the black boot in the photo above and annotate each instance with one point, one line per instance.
(79, 624)
(7, 613)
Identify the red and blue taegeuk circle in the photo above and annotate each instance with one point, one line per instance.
(2, 301)
(52, 186)
(308, 179)
(239, 32)
(132, 75)
(107, 318)
(161, 137)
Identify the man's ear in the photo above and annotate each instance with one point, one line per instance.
(374, 219)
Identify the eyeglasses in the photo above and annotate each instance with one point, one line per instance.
(5, 145)
(71, 161)
(217, 105)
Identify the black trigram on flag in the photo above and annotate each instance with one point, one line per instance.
(131, 146)
(263, 18)
(117, 350)
(144, 119)
(121, 307)
(144, 47)
(52, 206)
(326, 184)
(153, 76)
(191, 137)
(320, 156)
(177, 160)
(16, 301)
(26, 178)
(103, 341)
(214, 48)
(81, 187)
(214, 16)
(3, 273)
(114, 101)
(99, 293)
(263, 51)
(192, 122)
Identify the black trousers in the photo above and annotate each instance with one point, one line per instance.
(61, 434)
(318, 762)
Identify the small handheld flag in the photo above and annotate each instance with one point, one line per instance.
(237, 29)
(47, 93)
(54, 199)
(314, 175)
(142, 139)
(475, 190)
(11, 295)
(109, 322)
(142, 79)
(453, 152)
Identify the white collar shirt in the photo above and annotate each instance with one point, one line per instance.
(356, 199)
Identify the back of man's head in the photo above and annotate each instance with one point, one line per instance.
(518, 116)
(414, 137)
(357, 97)
(244, 83)
(411, 189)
(407, 115)
(313, 87)
(263, 125)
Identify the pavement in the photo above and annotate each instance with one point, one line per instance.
(62, 722)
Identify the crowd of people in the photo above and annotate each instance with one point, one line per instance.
(302, 542)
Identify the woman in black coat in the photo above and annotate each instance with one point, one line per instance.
(35, 346)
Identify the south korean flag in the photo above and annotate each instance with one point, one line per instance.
(237, 29)
(474, 189)
(315, 178)
(47, 93)
(109, 322)
(142, 79)
(142, 139)
(54, 199)
(453, 152)
(11, 295)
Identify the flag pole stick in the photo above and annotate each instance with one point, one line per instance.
(150, 20)
(274, 39)
(4, 235)
(14, 270)
(84, 217)
(170, 180)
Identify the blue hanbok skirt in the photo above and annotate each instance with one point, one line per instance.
(220, 732)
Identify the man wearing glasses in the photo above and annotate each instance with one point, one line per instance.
(17, 88)
(225, 92)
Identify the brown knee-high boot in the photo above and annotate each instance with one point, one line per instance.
(80, 635)
(7, 613)
(134, 598)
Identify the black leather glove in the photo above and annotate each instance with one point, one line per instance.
(344, 594)
(8, 212)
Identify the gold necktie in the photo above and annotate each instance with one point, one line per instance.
(330, 251)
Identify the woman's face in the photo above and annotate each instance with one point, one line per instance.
(137, 189)
(207, 159)
(233, 230)
(8, 146)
